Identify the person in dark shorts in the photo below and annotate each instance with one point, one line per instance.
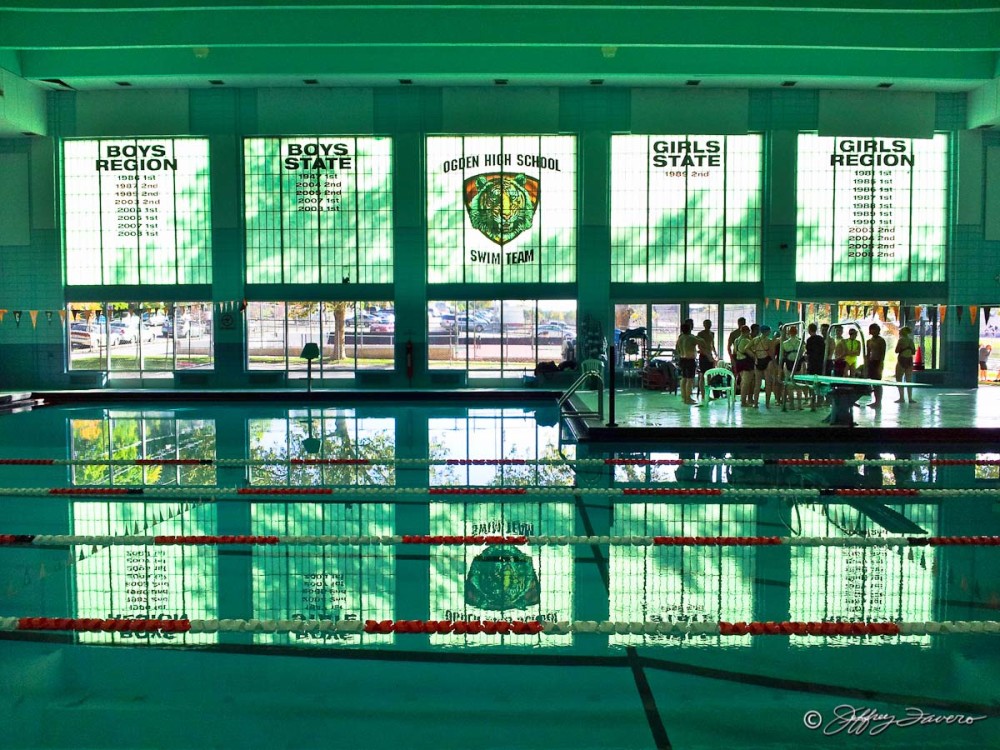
(687, 347)
(815, 349)
(874, 361)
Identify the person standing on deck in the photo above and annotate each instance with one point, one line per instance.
(852, 351)
(707, 355)
(906, 350)
(832, 335)
(687, 346)
(731, 341)
(874, 360)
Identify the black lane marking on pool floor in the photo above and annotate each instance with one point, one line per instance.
(653, 718)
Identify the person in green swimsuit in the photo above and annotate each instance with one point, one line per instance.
(852, 351)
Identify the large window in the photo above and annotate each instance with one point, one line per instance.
(871, 209)
(140, 337)
(685, 208)
(494, 338)
(137, 211)
(318, 210)
(663, 321)
(501, 209)
(351, 336)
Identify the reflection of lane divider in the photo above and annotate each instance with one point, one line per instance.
(502, 627)
(137, 540)
(209, 493)
(578, 462)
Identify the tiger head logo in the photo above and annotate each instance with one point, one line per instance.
(501, 206)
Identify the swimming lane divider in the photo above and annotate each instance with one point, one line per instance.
(210, 493)
(136, 540)
(570, 462)
(501, 627)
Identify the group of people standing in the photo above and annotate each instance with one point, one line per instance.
(762, 359)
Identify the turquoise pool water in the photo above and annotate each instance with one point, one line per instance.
(241, 470)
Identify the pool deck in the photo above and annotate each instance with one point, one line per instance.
(940, 417)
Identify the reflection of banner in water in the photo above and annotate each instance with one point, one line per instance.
(669, 584)
(145, 582)
(877, 584)
(316, 583)
(501, 582)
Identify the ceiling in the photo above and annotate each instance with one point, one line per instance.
(925, 45)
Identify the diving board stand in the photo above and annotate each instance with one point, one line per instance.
(845, 392)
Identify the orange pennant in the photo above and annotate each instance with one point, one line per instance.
(62, 316)
(973, 316)
(34, 317)
(917, 311)
(895, 312)
(799, 304)
(767, 302)
(3, 312)
(942, 312)
(788, 305)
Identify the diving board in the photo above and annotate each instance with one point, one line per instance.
(845, 392)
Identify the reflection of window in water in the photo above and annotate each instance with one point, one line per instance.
(314, 583)
(873, 584)
(498, 434)
(988, 471)
(691, 471)
(682, 584)
(502, 582)
(127, 436)
(322, 433)
(168, 582)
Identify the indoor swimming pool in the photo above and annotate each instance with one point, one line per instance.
(422, 574)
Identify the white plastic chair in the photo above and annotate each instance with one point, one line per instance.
(728, 386)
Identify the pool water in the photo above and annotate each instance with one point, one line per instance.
(341, 554)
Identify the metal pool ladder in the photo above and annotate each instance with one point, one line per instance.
(590, 368)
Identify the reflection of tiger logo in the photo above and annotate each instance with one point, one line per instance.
(501, 578)
(501, 206)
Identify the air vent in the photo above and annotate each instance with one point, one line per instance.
(122, 83)
(788, 84)
(57, 82)
(405, 81)
(885, 86)
(692, 83)
(310, 82)
(596, 81)
(217, 83)
(500, 81)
